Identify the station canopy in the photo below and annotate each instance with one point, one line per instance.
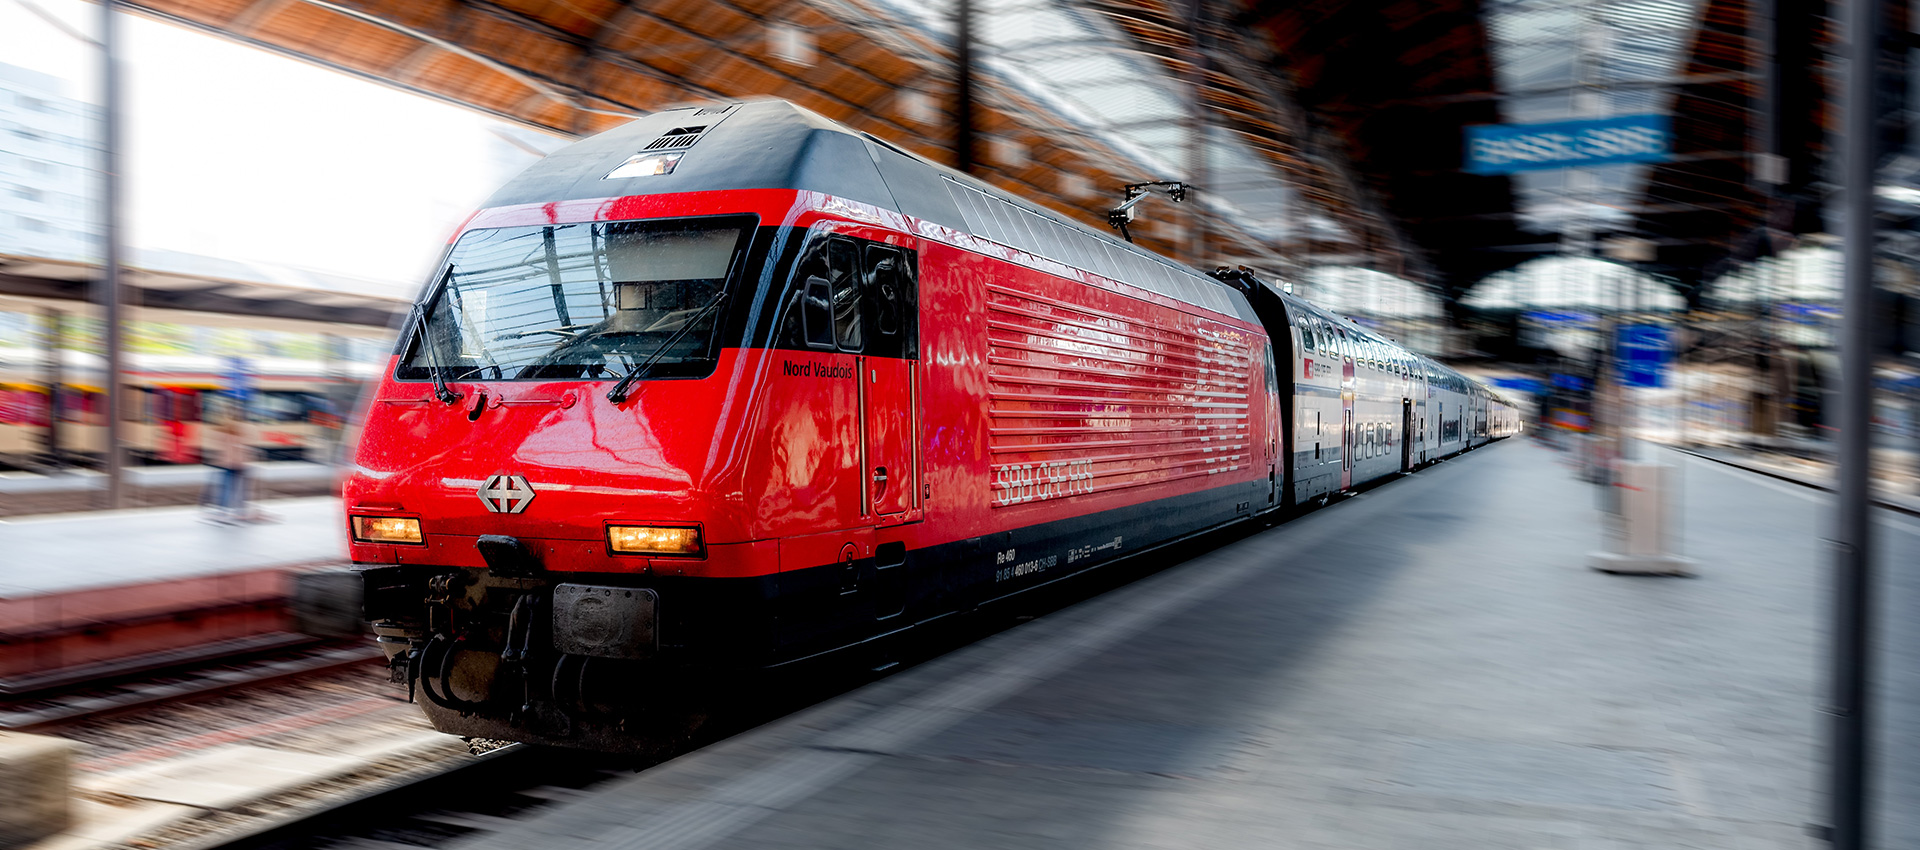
(1078, 98)
(1335, 129)
(192, 283)
(1575, 283)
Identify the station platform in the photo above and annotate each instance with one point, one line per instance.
(97, 593)
(1429, 665)
(157, 477)
(71, 490)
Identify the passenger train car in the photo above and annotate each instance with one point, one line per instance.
(737, 386)
(295, 411)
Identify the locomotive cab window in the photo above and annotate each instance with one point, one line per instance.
(844, 258)
(593, 300)
(826, 296)
(889, 302)
(855, 296)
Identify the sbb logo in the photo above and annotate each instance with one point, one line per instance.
(1017, 483)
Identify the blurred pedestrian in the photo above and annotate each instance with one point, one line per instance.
(229, 457)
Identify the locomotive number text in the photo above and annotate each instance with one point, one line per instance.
(1025, 568)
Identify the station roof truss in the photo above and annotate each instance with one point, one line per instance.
(577, 67)
(1079, 97)
(1336, 129)
(1393, 86)
(1743, 95)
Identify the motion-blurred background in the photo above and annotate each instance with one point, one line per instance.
(290, 168)
(1622, 213)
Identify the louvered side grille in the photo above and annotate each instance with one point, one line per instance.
(1082, 401)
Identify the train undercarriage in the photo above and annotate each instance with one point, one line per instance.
(530, 658)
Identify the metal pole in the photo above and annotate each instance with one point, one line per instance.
(1852, 539)
(963, 133)
(109, 294)
(1766, 168)
(1197, 131)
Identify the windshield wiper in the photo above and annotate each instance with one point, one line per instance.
(431, 341)
(619, 392)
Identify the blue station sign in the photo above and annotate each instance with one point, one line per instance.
(1642, 354)
(239, 375)
(1508, 148)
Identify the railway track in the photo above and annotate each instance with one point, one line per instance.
(439, 807)
(252, 663)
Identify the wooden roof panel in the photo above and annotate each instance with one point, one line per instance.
(333, 36)
(437, 16)
(222, 10)
(539, 52)
(578, 17)
(721, 23)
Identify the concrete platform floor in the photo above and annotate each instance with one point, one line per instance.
(1431, 665)
(69, 552)
(33, 494)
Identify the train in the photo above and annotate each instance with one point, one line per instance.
(296, 412)
(737, 387)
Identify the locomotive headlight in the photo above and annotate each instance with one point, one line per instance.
(653, 540)
(386, 529)
(645, 165)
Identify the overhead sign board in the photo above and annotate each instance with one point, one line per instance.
(1642, 352)
(239, 375)
(1509, 148)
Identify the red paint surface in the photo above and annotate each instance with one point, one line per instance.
(1038, 396)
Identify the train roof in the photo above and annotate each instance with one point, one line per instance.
(1298, 306)
(773, 144)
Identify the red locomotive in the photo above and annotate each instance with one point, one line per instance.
(736, 386)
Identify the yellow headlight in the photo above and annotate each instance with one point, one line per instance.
(386, 529)
(653, 540)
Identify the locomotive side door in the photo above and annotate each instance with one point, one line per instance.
(889, 384)
(1276, 430)
(1346, 407)
(1406, 432)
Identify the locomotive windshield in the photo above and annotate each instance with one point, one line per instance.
(580, 301)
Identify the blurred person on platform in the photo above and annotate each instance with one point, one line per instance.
(229, 456)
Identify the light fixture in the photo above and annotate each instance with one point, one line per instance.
(386, 529)
(654, 540)
(646, 165)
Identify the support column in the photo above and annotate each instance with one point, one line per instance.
(109, 294)
(1197, 134)
(1847, 707)
(963, 131)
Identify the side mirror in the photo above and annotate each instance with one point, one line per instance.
(816, 311)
